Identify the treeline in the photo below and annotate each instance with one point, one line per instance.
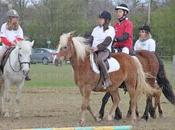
(46, 20)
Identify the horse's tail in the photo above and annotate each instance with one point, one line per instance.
(164, 82)
(142, 85)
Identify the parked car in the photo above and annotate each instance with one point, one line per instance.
(42, 55)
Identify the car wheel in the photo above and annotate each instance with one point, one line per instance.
(45, 61)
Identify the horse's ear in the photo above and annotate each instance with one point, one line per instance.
(72, 33)
(32, 43)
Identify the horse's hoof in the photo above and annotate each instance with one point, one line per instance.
(154, 116)
(134, 121)
(17, 115)
(145, 117)
(110, 118)
(100, 116)
(98, 119)
(128, 115)
(118, 117)
(82, 123)
(160, 115)
(6, 115)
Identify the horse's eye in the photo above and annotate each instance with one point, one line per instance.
(20, 55)
(65, 47)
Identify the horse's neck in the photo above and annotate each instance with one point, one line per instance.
(79, 64)
(13, 57)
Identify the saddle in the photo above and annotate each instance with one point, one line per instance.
(111, 64)
(5, 57)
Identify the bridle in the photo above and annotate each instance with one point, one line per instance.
(20, 64)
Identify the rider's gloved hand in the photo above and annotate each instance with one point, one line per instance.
(94, 49)
(13, 43)
(112, 49)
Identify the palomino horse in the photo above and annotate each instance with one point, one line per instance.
(154, 67)
(15, 71)
(130, 72)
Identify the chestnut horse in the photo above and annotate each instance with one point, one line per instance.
(131, 72)
(153, 66)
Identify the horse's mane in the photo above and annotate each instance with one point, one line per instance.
(80, 44)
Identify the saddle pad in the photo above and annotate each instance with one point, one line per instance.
(5, 57)
(113, 64)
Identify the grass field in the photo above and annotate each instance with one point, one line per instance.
(52, 76)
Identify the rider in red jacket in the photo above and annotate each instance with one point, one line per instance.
(123, 30)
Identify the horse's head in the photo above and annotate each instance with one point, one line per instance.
(69, 46)
(65, 47)
(24, 53)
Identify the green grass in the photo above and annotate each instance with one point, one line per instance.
(52, 76)
(170, 72)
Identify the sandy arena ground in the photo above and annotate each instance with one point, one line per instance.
(60, 107)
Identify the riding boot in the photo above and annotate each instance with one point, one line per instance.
(27, 78)
(107, 82)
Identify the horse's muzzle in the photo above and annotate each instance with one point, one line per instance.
(25, 73)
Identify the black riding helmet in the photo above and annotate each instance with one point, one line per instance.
(124, 7)
(105, 15)
(145, 28)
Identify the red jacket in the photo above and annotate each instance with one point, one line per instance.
(126, 26)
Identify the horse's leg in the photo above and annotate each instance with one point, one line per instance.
(85, 103)
(129, 111)
(147, 107)
(118, 114)
(157, 104)
(96, 118)
(2, 99)
(6, 98)
(133, 99)
(104, 101)
(152, 109)
(160, 109)
(116, 99)
(137, 112)
(17, 100)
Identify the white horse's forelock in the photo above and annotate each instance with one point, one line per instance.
(25, 46)
(80, 44)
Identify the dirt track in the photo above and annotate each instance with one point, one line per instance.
(43, 108)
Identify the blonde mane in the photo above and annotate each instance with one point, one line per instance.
(80, 44)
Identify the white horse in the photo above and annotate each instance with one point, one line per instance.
(15, 71)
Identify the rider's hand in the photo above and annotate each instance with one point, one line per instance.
(115, 39)
(94, 49)
(13, 43)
